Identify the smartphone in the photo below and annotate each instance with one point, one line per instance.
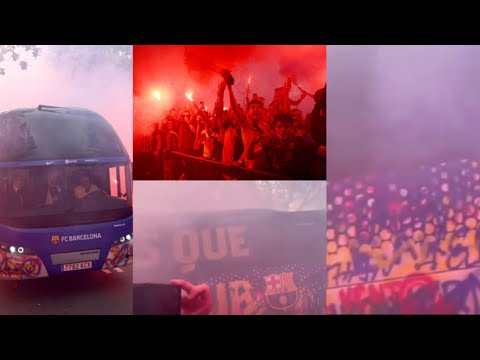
(156, 299)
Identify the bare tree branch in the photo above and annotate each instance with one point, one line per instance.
(19, 54)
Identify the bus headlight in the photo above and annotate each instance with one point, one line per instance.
(124, 239)
(17, 250)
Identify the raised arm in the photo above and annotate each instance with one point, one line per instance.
(285, 98)
(247, 97)
(191, 125)
(234, 105)
(218, 109)
(196, 144)
(218, 114)
(206, 121)
(299, 100)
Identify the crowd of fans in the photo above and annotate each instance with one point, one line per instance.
(276, 138)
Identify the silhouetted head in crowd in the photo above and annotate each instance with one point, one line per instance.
(283, 125)
(186, 116)
(255, 109)
(297, 115)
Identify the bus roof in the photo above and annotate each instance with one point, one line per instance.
(53, 132)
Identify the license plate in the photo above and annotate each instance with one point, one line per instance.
(77, 266)
(75, 257)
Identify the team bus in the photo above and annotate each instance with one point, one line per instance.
(65, 193)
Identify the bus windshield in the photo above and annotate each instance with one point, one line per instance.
(54, 196)
(29, 135)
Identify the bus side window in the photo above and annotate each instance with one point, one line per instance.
(123, 183)
(113, 182)
(118, 183)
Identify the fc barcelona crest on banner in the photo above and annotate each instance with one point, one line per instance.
(281, 292)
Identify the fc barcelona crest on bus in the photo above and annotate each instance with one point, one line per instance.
(281, 292)
(55, 239)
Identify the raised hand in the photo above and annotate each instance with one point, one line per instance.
(196, 299)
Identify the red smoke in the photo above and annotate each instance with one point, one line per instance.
(204, 61)
(306, 63)
(173, 70)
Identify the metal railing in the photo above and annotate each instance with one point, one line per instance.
(195, 168)
(188, 167)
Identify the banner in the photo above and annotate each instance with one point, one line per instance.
(255, 261)
(405, 243)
